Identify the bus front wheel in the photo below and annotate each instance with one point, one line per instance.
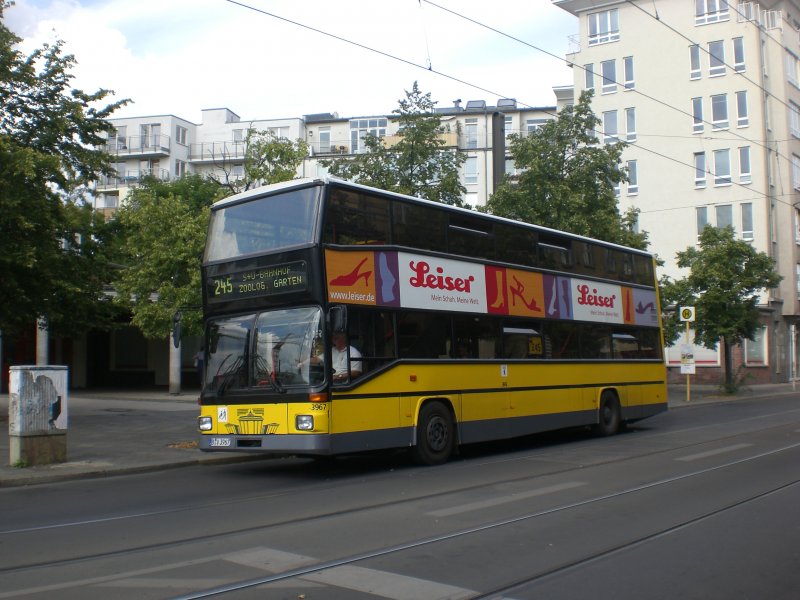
(609, 417)
(435, 435)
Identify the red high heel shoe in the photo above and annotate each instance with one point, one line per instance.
(351, 277)
(516, 292)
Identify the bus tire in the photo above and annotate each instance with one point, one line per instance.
(609, 417)
(435, 435)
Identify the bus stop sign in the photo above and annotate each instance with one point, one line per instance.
(687, 313)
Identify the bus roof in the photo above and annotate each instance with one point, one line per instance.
(283, 186)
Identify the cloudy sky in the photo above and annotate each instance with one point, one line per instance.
(263, 58)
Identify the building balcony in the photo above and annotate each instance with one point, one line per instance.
(216, 152)
(328, 149)
(150, 146)
(131, 178)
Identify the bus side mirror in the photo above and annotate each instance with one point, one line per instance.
(338, 318)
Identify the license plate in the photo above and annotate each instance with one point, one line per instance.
(220, 442)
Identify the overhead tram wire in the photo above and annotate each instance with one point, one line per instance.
(458, 80)
(634, 90)
(427, 68)
(763, 145)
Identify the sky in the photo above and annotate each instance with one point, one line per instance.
(263, 59)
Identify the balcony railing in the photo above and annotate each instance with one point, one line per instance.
(131, 177)
(217, 151)
(137, 144)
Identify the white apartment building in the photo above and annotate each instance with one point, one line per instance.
(707, 94)
(168, 147)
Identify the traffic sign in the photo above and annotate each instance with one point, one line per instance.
(687, 313)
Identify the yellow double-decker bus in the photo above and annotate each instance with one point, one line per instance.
(341, 319)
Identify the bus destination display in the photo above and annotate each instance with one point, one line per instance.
(265, 281)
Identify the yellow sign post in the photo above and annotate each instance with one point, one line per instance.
(686, 314)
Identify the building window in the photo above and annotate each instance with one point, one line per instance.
(511, 167)
(633, 178)
(181, 134)
(630, 124)
(589, 73)
(180, 168)
(722, 167)
(745, 176)
(238, 135)
(755, 350)
(603, 27)
(742, 119)
(534, 125)
(628, 72)
(796, 172)
(324, 139)
(716, 58)
(701, 213)
(694, 62)
(747, 221)
(697, 115)
(719, 111)
(361, 128)
(471, 133)
(738, 55)
(471, 170)
(710, 11)
(610, 130)
(700, 169)
(792, 69)
(508, 128)
(609, 72)
(797, 226)
(724, 214)
(794, 119)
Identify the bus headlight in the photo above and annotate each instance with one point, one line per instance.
(204, 423)
(304, 422)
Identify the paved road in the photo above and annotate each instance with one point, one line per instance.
(699, 502)
(114, 432)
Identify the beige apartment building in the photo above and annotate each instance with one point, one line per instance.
(707, 95)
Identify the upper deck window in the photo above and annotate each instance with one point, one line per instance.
(263, 224)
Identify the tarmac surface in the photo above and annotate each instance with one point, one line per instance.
(115, 432)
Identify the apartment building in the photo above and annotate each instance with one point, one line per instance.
(707, 95)
(169, 147)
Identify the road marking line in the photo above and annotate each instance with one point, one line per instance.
(455, 510)
(388, 585)
(724, 450)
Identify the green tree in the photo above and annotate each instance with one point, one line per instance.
(726, 277)
(267, 159)
(567, 180)
(52, 250)
(417, 165)
(164, 228)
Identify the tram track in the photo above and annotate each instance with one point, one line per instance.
(416, 544)
(412, 544)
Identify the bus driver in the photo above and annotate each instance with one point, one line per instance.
(339, 352)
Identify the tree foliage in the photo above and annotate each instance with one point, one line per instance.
(567, 180)
(267, 159)
(164, 228)
(726, 277)
(53, 252)
(418, 164)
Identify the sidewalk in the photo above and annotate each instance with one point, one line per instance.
(117, 432)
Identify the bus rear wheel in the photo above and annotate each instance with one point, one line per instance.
(435, 435)
(609, 415)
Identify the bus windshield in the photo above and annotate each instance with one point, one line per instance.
(282, 343)
(262, 225)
